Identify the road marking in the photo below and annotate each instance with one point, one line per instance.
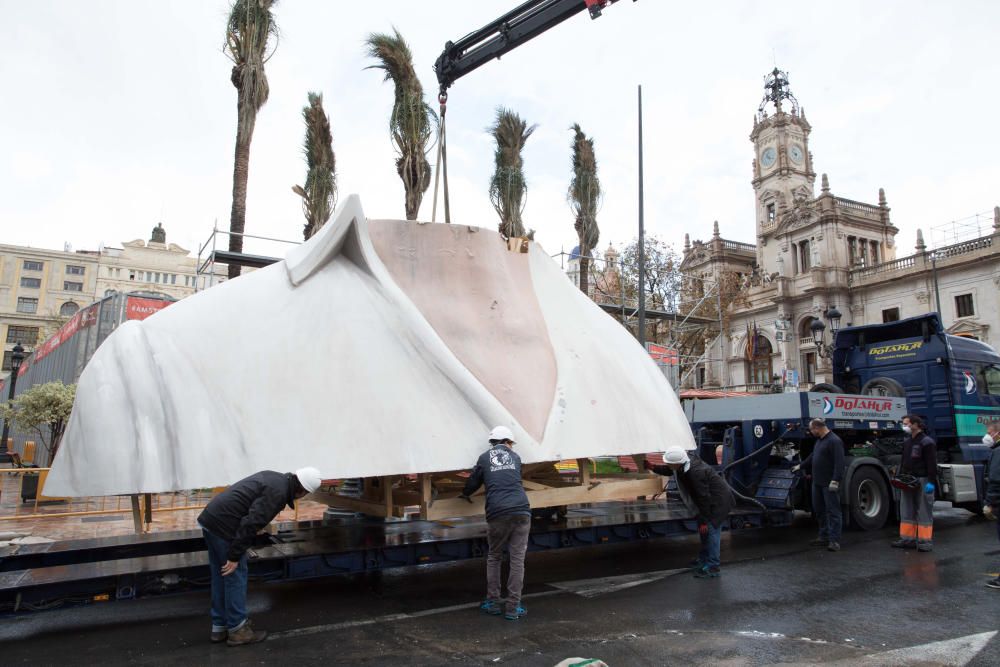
(388, 618)
(956, 652)
(590, 588)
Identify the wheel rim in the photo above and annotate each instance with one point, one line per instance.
(879, 390)
(869, 499)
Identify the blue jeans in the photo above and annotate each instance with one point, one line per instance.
(826, 507)
(711, 545)
(229, 594)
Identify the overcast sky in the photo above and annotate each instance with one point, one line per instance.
(117, 115)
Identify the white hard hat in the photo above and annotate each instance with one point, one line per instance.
(675, 456)
(501, 433)
(309, 478)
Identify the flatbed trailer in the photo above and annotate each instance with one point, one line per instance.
(41, 576)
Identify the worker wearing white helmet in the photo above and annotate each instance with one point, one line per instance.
(508, 520)
(229, 524)
(705, 494)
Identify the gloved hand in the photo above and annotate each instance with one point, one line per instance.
(796, 467)
(646, 464)
(929, 487)
(834, 486)
(466, 498)
(988, 512)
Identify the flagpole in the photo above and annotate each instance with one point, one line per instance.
(642, 240)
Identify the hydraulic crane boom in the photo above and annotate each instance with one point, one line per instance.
(514, 28)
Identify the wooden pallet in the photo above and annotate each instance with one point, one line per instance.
(436, 495)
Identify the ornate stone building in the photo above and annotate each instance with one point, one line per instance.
(816, 253)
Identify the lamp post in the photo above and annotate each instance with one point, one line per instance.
(16, 357)
(818, 328)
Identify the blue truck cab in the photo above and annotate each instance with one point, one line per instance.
(951, 381)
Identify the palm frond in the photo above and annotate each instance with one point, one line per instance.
(319, 196)
(249, 30)
(508, 186)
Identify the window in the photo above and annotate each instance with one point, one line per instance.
(26, 305)
(72, 287)
(963, 306)
(874, 255)
(31, 283)
(808, 368)
(68, 309)
(72, 270)
(156, 277)
(991, 375)
(173, 278)
(32, 266)
(804, 262)
(149, 276)
(758, 360)
(890, 315)
(852, 250)
(23, 335)
(131, 275)
(7, 356)
(770, 213)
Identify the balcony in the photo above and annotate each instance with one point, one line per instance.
(923, 260)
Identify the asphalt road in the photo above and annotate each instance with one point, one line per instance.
(778, 601)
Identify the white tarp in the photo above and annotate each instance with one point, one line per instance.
(376, 348)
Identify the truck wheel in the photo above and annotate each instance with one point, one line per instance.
(868, 500)
(826, 388)
(883, 387)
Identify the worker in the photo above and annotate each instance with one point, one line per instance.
(827, 464)
(508, 521)
(706, 494)
(229, 524)
(916, 513)
(992, 507)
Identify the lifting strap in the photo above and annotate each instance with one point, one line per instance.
(442, 161)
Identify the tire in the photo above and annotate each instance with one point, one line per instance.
(883, 387)
(826, 388)
(869, 501)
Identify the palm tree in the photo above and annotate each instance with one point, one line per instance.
(412, 121)
(584, 197)
(319, 196)
(248, 33)
(508, 187)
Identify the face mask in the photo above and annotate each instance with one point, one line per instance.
(906, 429)
(988, 440)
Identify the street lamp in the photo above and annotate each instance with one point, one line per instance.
(817, 327)
(17, 355)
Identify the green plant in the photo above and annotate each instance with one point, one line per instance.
(319, 196)
(43, 409)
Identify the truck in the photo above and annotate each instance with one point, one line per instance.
(881, 372)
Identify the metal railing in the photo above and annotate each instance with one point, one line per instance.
(911, 261)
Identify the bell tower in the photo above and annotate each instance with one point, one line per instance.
(783, 173)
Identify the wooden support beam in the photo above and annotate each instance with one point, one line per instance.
(136, 513)
(583, 465)
(426, 494)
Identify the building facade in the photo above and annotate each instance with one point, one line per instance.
(41, 289)
(819, 253)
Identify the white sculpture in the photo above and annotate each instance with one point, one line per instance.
(376, 348)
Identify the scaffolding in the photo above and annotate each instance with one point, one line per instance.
(964, 229)
(207, 273)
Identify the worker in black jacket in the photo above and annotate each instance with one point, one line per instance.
(827, 465)
(229, 524)
(992, 506)
(916, 504)
(508, 520)
(704, 493)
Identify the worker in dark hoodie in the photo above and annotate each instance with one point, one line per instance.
(229, 524)
(704, 493)
(508, 521)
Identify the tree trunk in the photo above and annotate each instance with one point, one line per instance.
(584, 273)
(238, 215)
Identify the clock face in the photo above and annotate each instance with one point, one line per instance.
(768, 157)
(795, 153)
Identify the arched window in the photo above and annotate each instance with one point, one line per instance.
(68, 309)
(758, 360)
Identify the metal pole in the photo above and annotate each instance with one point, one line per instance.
(10, 397)
(642, 241)
(937, 292)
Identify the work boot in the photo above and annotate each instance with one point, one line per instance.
(833, 546)
(219, 636)
(707, 573)
(994, 583)
(695, 565)
(491, 607)
(925, 546)
(819, 542)
(245, 635)
(904, 544)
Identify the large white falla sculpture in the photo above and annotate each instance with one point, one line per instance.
(378, 347)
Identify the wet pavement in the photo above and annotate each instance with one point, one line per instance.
(778, 601)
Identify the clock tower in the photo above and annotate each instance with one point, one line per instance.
(783, 173)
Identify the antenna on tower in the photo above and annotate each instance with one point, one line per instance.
(776, 89)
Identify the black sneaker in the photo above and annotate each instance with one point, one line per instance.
(925, 546)
(707, 573)
(833, 546)
(993, 583)
(904, 544)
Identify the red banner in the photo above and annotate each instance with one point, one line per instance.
(137, 308)
(662, 354)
